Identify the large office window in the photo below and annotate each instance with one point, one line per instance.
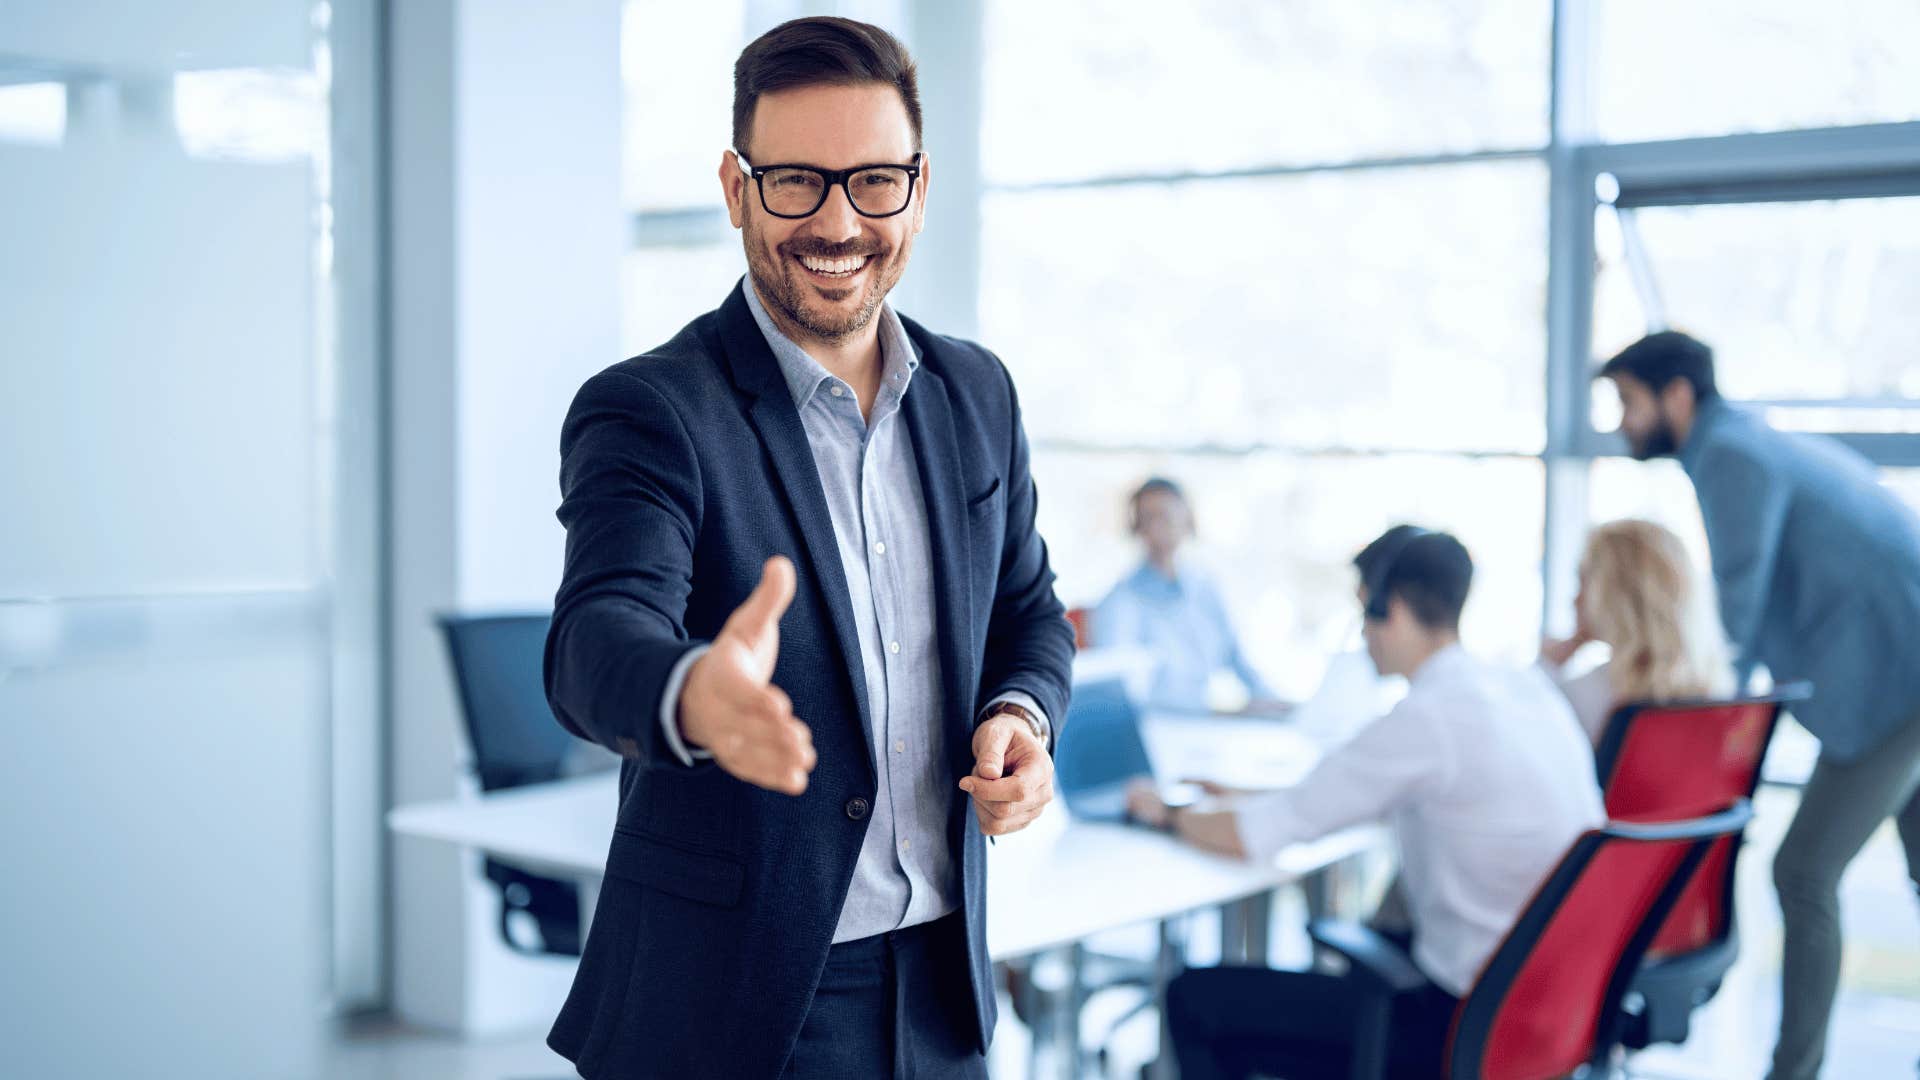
(1714, 67)
(1083, 91)
(1306, 279)
(1810, 301)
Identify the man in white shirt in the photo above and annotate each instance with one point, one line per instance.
(1486, 779)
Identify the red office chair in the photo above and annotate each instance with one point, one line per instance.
(1082, 619)
(1547, 1001)
(1677, 760)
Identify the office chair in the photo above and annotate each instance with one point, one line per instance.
(1547, 1001)
(516, 741)
(1663, 762)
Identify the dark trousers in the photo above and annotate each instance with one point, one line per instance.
(898, 1005)
(1239, 1021)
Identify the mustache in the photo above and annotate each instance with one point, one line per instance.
(820, 249)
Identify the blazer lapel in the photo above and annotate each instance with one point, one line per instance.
(936, 448)
(757, 375)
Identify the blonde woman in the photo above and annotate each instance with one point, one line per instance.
(1640, 593)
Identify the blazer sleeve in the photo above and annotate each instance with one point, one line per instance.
(630, 502)
(1029, 640)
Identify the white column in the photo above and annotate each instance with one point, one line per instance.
(506, 236)
(942, 288)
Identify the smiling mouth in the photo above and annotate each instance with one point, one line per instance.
(842, 269)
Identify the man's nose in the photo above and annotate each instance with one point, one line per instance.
(836, 221)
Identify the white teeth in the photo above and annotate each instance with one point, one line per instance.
(833, 266)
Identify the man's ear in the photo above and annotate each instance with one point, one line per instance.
(733, 187)
(920, 198)
(1678, 403)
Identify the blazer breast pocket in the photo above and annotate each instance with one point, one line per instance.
(986, 533)
(974, 502)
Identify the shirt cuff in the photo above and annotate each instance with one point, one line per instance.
(670, 708)
(1025, 701)
(1267, 824)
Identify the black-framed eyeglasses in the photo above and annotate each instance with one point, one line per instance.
(797, 191)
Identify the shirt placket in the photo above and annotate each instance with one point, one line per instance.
(875, 517)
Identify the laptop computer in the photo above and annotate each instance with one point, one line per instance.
(1101, 751)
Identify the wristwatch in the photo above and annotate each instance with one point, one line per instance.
(998, 707)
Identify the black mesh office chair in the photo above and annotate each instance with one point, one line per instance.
(516, 741)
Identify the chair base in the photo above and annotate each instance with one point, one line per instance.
(1668, 990)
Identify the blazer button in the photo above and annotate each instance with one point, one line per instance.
(857, 808)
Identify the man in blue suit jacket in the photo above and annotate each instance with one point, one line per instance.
(805, 600)
(1818, 569)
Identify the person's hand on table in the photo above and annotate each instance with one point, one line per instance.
(1214, 789)
(1145, 806)
(1217, 831)
(1012, 779)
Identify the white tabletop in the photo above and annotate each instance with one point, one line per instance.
(1055, 882)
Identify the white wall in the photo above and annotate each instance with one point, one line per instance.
(170, 571)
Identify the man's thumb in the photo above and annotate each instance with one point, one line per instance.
(763, 608)
(991, 757)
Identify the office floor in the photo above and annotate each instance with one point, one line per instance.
(1876, 1029)
(1875, 1036)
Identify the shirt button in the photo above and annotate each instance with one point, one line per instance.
(857, 808)
(906, 845)
(899, 746)
(880, 547)
(837, 392)
(893, 646)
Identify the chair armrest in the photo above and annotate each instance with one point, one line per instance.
(1374, 959)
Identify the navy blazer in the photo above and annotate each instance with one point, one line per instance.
(681, 472)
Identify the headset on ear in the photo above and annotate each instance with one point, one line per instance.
(1382, 569)
(1171, 488)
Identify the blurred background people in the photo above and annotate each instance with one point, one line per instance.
(1818, 570)
(1484, 777)
(1170, 608)
(1641, 595)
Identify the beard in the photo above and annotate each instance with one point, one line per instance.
(1659, 441)
(797, 301)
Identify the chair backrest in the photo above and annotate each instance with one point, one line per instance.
(497, 667)
(1547, 1001)
(1665, 762)
(1101, 745)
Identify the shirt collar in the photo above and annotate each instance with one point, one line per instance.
(1441, 666)
(805, 375)
(1148, 576)
(1707, 416)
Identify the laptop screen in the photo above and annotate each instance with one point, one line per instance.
(1101, 744)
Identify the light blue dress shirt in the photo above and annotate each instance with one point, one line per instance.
(1183, 623)
(906, 873)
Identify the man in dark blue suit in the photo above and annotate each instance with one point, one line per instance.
(805, 600)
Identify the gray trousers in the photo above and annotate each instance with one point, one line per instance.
(1840, 808)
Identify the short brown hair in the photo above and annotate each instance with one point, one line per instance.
(821, 50)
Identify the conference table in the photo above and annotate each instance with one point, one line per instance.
(1049, 887)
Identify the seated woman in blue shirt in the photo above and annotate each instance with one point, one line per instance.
(1170, 609)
